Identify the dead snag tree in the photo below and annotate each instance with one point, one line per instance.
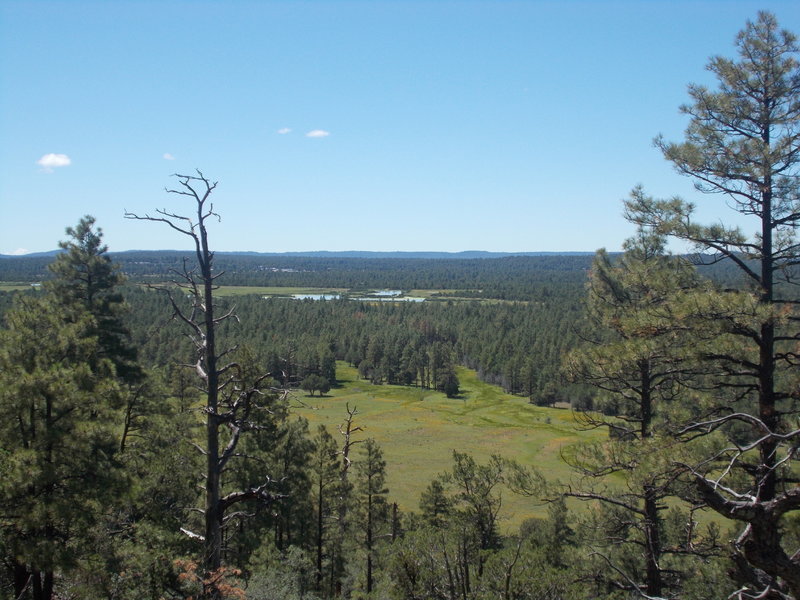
(235, 400)
(347, 429)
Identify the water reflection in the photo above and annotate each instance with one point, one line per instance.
(376, 296)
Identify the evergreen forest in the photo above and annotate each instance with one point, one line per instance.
(155, 439)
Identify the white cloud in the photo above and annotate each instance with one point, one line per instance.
(168, 156)
(284, 130)
(48, 162)
(318, 133)
(20, 252)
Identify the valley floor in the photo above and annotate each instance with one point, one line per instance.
(419, 429)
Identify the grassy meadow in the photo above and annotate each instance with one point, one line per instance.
(244, 290)
(419, 429)
(16, 286)
(283, 292)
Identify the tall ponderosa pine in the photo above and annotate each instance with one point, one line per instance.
(61, 357)
(86, 279)
(477, 501)
(371, 494)
(324, 474)
(637, 362)
(743, 143)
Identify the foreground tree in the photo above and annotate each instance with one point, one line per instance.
(237, 397)
(638, 361)
(371, 494)
(324, 469)
(743, 143)
(57, 438)
(63, 359)
(476, 502)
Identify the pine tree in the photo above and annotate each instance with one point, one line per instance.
(59, 428)
(324, 468)
(371, 493)
(65, 359)
(637, 360)
(86, 279)
(742, 144)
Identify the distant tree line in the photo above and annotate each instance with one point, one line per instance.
(513, 278)
(516, 345)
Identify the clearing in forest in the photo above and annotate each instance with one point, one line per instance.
(419, 429)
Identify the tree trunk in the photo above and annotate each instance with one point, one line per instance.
(369, 543)
(653, 580)
(320, 531)
(213, 515)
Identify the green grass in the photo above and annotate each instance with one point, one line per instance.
(285, 292)
(243, 290)
(436, 294)
(239, 290)
(13, 286)
(419, 429)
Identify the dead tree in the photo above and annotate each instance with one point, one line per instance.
(234, 402)
(348, 429)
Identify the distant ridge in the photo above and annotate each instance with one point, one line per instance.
(31, 254)
(465, 254)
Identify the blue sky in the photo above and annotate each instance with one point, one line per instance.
(372, 125)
